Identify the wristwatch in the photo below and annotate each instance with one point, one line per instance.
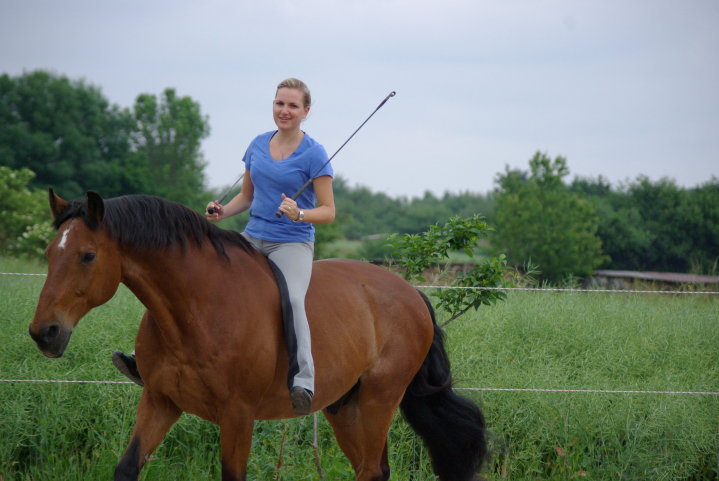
(300, 216)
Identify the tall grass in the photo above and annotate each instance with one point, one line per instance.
(531, 340)
(605, 342)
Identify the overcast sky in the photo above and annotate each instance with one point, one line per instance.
(618, 87)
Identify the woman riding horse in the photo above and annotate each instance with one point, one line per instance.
(277, 163)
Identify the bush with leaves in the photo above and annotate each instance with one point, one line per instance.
(416, 253)
(25, 227)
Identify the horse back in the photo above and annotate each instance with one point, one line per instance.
(366, 318)
(362, 295)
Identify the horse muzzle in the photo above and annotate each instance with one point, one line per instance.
(51, 339)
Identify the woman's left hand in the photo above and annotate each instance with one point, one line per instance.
(289, 208)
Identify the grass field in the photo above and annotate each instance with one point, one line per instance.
(597, 341)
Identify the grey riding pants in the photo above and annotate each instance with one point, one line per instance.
(294, 262)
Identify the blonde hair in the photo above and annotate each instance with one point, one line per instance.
(297, 84)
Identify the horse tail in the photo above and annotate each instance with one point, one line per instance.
(451, 426)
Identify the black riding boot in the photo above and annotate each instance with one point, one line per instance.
(128, 366)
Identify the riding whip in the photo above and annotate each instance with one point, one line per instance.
(212, 210)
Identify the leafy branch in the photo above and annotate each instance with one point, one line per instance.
(416, 253)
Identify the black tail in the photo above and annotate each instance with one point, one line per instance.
(451, 426)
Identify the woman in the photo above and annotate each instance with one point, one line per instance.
(277, 164)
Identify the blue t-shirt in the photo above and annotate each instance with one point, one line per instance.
(272, 178)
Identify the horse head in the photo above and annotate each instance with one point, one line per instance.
(84, 271)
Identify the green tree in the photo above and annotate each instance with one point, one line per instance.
(625, 239)
(656, 225)
(658, 205)
(168, 134)
(24, 215)
(325, 234)
(68, 134)
(683, 223)
(539, 220)
(368, 213)
(699, 214)
(362, 211)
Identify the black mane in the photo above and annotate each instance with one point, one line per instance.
(145, 222)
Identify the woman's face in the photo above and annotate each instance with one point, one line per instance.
(288, 109)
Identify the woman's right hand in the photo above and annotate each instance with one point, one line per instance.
(214, 211)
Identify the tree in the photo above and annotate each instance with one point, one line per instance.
(625, 238)
(168, 134)
(683, 224)
(656, 225)
(539, 220)
(24, 215)
(368, 213)
(75, 140)
(699, 214)
(68, 134)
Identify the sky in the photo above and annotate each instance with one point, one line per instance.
(619, 88)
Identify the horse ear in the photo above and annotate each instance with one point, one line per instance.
(57, 204)
(95, 207)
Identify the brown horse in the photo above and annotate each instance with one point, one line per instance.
(211, 340)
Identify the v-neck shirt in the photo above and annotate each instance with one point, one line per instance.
(271, 178)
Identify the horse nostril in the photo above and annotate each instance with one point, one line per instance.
(51, 340)
(46, 334)
(51, 332)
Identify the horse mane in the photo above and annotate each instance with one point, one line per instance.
(146, 222)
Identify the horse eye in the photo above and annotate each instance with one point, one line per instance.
(88, 257)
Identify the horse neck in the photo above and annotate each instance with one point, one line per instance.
(178, 287)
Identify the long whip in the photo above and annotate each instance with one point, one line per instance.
(212, 210)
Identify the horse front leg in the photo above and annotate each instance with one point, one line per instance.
(155, 416)
(235, 444)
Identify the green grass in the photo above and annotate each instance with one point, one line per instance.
(596, 341)
(531, 340)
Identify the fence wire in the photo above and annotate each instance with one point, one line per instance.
(495, 389)
(536, 289)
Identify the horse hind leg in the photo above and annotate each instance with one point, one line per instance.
(361, 428)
